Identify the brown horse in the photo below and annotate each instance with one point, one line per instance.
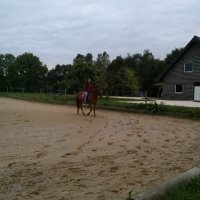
(91, 100)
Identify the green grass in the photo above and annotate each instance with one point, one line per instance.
(114, 104)
(153, 108)
(42, 97)
(189, 191)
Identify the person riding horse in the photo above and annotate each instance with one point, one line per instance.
(92, 98)
(87, 89)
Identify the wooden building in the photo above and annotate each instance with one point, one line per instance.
(181, 80)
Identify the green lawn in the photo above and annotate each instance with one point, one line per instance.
(190, 191)
(113, 103)
(42, 97)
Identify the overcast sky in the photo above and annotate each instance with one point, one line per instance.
(57, 30)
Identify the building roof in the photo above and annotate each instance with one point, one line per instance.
(194, 40)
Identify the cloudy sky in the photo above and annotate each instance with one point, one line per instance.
(57, 30)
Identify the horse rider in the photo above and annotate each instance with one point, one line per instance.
(87, 89)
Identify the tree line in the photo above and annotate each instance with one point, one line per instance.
(121, 76)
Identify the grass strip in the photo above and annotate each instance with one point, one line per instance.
(189, 191)
(114, 104)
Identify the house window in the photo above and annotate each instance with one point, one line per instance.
(188, 67)
(178, 88)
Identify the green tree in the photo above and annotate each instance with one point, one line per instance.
(31, 72)
(56, 77)
(170, 57)
(114, 76)
(2, 72)
(6, 62)
(132, 82)
(147, 68)
(82, 69)
(100, 70)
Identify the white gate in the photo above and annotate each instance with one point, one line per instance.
(196, 93)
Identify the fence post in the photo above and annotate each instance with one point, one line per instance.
(145, 96)
(22, 92)
(40, 93)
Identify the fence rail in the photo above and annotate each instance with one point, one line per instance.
(122, 93)
(125, 93)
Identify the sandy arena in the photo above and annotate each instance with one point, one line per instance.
(50, 152)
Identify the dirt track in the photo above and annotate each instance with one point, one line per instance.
(50, 152)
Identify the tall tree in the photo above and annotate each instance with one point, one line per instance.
(114, 76)
(100, 69)
(147, 69)
(132, 82)
(82, 69)
(56, 77)
(32, 73)
(170, 57)
(6, 62)
(143, 67)
(2, 71)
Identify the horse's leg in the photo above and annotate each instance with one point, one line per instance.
(90, 106)
(77, 104)
(82, 108)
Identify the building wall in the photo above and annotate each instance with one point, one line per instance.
(177, 76)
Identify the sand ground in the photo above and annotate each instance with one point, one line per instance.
(50, 152)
